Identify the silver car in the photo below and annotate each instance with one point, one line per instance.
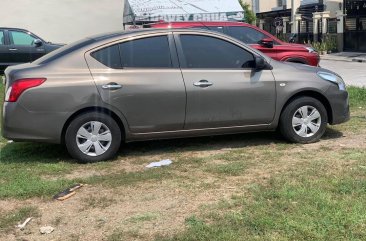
(153, 84)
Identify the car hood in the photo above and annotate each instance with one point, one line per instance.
(293, 47)
(307, 68)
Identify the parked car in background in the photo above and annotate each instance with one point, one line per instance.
(256, 38)
(163, 83)
(21, 46)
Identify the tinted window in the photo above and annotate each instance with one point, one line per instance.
(20, 38)
(109, 56)
(150, 52)
(208, 52)
(2, 39)
(217, 29)
(246, 34)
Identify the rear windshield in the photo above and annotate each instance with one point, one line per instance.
(63, 51)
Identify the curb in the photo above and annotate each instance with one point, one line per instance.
(357, 60)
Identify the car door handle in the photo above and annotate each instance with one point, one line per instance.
(112, 86)
(13, 49)
(202, 84)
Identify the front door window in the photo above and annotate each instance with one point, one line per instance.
(20, 38)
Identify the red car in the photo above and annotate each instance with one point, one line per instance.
(256, 38)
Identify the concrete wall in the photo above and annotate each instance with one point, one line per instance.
(266, 5)
(333, 6)
(63, 21)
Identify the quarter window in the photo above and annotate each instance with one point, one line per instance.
(152, 52)
(21, 38)
(109, 56)
(2, 39)
(210, 52)
(246, 34)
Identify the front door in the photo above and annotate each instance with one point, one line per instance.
(143, 81)
(223, 90)
(22, 47)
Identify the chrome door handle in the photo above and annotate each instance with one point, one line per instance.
(202, 84)
(13, 49)
(112, 86)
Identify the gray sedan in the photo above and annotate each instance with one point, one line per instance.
(153, 84)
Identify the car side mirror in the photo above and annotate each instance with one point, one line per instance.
(261, 64)
(266, 42)
(37, 42)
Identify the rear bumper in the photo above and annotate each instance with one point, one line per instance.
(339, 102)
(18, 124)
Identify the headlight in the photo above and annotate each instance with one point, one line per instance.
(311, 50)
(336, 79)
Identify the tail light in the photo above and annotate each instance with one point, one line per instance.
(21, 85)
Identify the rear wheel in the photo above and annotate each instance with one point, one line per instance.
(304, 120)
(93, 137)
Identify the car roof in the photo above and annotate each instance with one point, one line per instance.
(133, 32)
(9, 28)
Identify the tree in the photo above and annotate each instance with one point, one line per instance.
(249, 15)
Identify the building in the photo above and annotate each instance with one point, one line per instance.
(310, 20)
(355, 25)
(63, 21)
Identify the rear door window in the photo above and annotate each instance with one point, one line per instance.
(209, 52)
(246, 34)
(20, 38)
(2, 38)
(151, 52)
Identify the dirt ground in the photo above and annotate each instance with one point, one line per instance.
(147, 209)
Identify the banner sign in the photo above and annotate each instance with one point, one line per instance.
(229, 16)
(183, 10)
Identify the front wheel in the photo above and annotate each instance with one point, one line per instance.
(93, 137)
(304, 120)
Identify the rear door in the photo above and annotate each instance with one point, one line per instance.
(223, 90)
(252, 37)
(4, 51)
(22, 48)
(142, 79)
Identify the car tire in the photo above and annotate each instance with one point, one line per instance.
(304, 120)
(93, 137)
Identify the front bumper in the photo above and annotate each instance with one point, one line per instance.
(339, 102)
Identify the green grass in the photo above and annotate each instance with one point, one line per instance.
(144, 217)
(311, 202)
(357, 97)
(10, 219)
